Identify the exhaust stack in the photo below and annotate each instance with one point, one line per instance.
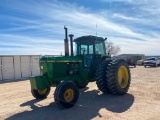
(71, 42)
(66, 48)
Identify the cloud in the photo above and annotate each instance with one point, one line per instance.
(115, 15)
(38, 27)
(29, 45)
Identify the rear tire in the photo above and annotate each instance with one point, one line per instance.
(41, 94)
(118, 77)
(101, 76)
(66, 94)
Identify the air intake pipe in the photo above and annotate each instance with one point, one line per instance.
(71, 42)
(66, 48)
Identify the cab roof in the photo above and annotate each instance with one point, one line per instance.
(89, 38)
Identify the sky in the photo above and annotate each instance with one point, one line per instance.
(36, 27)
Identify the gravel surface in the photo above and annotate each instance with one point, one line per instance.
(141, 102)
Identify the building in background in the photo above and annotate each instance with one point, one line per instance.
(19, 66)
(132, 57)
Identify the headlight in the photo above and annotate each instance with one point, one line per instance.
(41, 67)
(153, 62)
(41, 71)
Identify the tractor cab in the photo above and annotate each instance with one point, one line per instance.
(90, 47)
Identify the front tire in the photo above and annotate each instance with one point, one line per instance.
(66, 94)
(41, 94)
(118, 77)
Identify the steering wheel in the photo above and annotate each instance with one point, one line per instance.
(84, 50)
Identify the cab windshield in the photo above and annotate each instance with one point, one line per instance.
(99, 47)
(88, 47)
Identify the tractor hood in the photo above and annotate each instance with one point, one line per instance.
(60, 59)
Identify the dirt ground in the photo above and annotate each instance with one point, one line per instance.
(141, 103)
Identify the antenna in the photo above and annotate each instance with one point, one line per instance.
(96, 29)
(110, 11)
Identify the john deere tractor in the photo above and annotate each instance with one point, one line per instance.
(68, 73)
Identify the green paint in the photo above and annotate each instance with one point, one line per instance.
(38, 82)
(79, 68)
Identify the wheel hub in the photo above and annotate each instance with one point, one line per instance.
(69, 95)
(123, 76)
(42, 91)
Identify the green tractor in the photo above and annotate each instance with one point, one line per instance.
(68, 73)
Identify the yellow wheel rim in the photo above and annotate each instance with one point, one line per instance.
(69, 95)
(42, 91)
(123, 76)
